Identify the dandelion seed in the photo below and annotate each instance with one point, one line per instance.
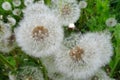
(83, 4)
(110, 22)
(6, 6)
(40, 35)
(16, 3)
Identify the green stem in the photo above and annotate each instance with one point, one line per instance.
(114, 67)
(44, 70)
(47, 2)
(4, 61)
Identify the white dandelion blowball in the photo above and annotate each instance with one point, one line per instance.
(87, 54)
(39, 35)
(29, 73)
(68, 11)
(6, 6)
(16, 3)
(36, 8)
(83, 4)
(7, 38)
(16, 12)
(28, 2)
(111, 22)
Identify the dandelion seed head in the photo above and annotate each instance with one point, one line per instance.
(88, 53)
(28, 2)
(40, 35)
(83, 4)
(16, 3)
(6, 6)
(16, 12)
(111, 22)
(67, 11)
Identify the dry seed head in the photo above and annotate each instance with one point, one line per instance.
(76, 53)
(39, 33)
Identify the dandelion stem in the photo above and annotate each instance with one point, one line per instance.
(4, 61)
(114, 67)
(44, 70)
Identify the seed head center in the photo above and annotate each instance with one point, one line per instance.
(39, 33)
(76, 53)
(66, 10)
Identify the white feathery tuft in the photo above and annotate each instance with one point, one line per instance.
(88, 53)
(67, 11)
(39, 35)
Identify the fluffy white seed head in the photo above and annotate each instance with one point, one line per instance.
(16, 3)
(87, 54)
(7, 39)
(67, 11)
(111, 22)
(16, 12)
(28, 2)
(6, 6)
(29, 73)
(36, 8)
(39, 35)
(83, 4)
(11, 20)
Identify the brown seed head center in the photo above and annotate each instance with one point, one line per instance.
(39, 33)
(76, 53)
(66, 10)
